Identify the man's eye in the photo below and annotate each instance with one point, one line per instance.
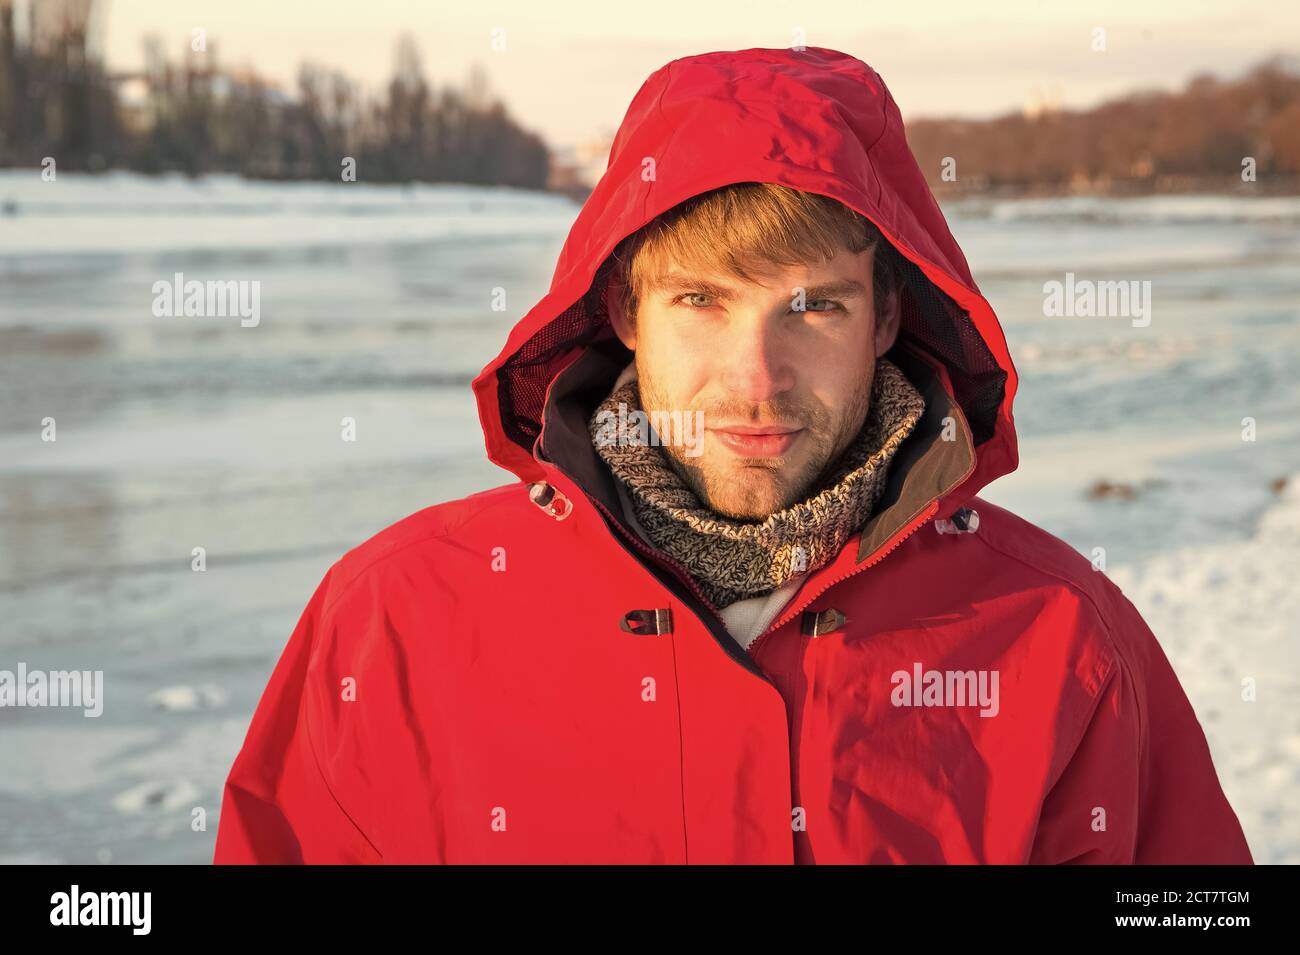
(829, 303)
(689, 296)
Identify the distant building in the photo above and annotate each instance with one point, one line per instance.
(135, 106)
(575, 170)
(1042, 102)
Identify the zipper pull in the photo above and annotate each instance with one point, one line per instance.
(815, 624)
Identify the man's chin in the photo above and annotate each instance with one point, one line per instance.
(746, 493)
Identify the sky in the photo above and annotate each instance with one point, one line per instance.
(568, 69)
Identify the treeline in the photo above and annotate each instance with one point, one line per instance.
(191, 116)
(1196, 138)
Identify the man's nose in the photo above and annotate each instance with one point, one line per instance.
(757, 363)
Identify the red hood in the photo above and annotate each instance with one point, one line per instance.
(816, 120)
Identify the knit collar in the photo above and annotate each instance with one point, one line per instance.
(734, 559)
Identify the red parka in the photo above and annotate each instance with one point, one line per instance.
(517, 677)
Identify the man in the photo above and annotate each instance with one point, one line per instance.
(743, 604)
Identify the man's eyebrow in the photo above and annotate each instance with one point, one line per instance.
(843, 288)
(676, 282)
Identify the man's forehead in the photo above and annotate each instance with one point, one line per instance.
(844, 274)
(822, 280)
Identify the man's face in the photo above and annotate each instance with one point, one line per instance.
(783, 391)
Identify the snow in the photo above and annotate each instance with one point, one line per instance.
(1228, 618)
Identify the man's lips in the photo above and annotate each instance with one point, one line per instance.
(757, 440)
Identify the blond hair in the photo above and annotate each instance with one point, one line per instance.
(749, 229)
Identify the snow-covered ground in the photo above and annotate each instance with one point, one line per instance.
(1228, 617)
(377, 305)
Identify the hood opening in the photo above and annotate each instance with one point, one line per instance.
(816, 120)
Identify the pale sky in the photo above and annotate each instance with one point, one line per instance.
(570, 67)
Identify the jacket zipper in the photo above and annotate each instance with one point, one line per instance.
(879, 556)
(883, 552)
